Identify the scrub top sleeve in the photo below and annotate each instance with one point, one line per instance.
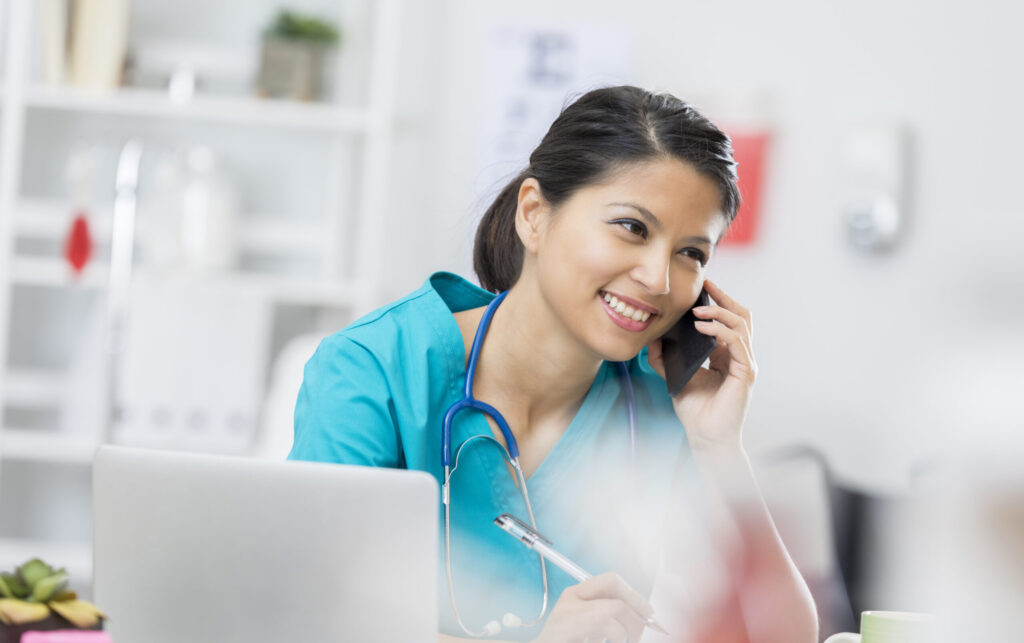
(344, 409)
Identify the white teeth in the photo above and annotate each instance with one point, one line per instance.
(626, 311)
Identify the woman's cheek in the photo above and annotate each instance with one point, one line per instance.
(599, 254)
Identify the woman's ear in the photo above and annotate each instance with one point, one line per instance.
(531, 214)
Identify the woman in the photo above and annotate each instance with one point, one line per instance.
(602, 244)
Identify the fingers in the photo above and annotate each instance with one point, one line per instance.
(727, 302)
(727, 317)
(602, 608)
(616, 606)
(611, 585)
(734, 330)
(737, 348)
(614, 620)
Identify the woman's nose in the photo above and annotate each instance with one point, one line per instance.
(653, 272)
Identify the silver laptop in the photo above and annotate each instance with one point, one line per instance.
(215, 549)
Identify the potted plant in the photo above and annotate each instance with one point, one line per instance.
(34, 597)
(293, 52)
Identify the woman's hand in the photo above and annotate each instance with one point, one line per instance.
(603, 608)
(713, 405)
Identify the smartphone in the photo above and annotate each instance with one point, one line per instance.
(684, 348)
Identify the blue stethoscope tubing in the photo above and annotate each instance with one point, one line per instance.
(511, 453)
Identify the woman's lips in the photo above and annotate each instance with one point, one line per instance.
(636, 305)
(626, 323)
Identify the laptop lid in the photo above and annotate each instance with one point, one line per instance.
(192, 547)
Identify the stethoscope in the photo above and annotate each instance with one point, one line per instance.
(511, 454)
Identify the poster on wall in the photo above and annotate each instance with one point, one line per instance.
(532, 72)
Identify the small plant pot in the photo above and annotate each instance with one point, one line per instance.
(12, 633)
(291, 69)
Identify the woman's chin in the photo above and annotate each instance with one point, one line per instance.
(621, 353)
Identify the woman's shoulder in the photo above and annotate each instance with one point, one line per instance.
(406, 328)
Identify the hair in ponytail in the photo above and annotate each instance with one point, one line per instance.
(598, 134)
(497, 250)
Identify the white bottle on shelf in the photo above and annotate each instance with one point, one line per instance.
(99, 42)
(209, 215)
(191, 223)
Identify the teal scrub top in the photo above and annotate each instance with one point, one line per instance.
(375, 394)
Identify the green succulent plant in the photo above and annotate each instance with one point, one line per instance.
(35, 588)
(35, 582)
(291, 25)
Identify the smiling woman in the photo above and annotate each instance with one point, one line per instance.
(597, 249)
(592, 245)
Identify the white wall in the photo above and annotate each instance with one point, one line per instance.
(879, 361)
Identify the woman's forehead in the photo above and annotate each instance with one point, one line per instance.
(673, 191)
(662, 173)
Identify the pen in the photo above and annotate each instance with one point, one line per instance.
(526, 535)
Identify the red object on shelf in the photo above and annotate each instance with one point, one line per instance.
(749, 150)
(78, 247)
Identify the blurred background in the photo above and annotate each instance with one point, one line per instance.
(193, 194)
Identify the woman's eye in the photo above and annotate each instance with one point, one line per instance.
(634, 227)
(696, 254)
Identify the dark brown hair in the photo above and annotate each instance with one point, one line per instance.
(601, 132)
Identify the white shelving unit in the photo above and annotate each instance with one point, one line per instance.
(313, 176)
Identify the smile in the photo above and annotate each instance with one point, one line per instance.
(625, 315)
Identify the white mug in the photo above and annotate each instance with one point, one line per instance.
(889, 627)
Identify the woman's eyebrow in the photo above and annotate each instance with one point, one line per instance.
(653, 221)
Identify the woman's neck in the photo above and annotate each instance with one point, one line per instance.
(530, 367)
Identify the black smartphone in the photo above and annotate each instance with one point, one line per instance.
(684, 348)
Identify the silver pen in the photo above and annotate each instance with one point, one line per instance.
(526, 535)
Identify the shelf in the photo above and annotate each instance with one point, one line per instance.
(263, 233)
(236, 111)
(33, 445)
(34, 388)
(40, 446)
(75, 557)
(55, 273)
(48, 219)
